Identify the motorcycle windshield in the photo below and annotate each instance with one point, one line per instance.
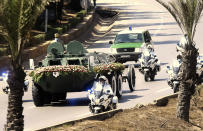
(146, 60)
(176, 70)
(97, 94)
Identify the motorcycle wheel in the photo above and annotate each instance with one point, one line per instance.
(152, 77)
(175, 89)
(114, 105)
(146, 77)
(90, 108)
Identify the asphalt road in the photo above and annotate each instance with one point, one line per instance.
(141, 14)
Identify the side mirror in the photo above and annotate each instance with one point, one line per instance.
(110, 42)
(32, 65)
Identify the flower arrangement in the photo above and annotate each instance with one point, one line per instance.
(78, 70)
(106, 68)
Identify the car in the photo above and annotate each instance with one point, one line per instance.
(127, 44)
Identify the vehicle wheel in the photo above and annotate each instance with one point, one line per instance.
(119, 86)
(152, 76)
(38, 97)
(175, 89)
(46, 97)
(113, 84)
(90, 108)
(131, 78)
(114, 105)
(146, 77)
(62, 96)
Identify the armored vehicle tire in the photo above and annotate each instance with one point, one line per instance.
(131, 78)
(113, 84)
(47, 97)
(37, 94)
(119, 86)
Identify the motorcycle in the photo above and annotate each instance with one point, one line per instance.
(149, 65)
(6, 88)
(101, 99)
(173, 80)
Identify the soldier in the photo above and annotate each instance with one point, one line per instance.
(56, 35)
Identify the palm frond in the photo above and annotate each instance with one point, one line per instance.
(187, 14)
(17, 17)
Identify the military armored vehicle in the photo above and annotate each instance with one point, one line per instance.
(70, 68)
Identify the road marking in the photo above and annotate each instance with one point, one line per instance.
(162, 90)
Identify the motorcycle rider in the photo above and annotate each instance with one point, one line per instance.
(103, 85)
(149, 50)
(173, 71)
(101, 90)
(181, 45)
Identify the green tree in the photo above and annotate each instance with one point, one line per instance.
(187, 14)
(17, 17)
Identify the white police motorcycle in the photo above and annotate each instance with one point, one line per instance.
(149, 64)
(101, 97)
(5, 87)
(173, 80)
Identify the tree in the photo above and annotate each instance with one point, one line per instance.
(187, 14)
(17, 17)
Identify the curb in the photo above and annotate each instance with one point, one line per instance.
(101, 116)
(163, 101)
(34, 52)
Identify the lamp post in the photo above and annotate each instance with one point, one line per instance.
(46, 19)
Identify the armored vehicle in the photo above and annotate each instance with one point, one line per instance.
(70, 68)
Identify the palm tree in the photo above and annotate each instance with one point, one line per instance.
(187, 14)
(17, 17)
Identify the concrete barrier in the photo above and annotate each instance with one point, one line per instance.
(163, 101)
(100, 116)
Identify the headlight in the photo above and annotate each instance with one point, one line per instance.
(113, 50)
(138, 50)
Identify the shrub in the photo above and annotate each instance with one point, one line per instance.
(3, 51)
(74, 21)
(81, 14)
(51, 31)
(37, 39)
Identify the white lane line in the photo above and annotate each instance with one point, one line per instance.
(162, 90)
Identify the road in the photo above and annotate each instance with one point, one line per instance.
(141, 14)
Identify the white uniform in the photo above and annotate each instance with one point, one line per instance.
(106, 88)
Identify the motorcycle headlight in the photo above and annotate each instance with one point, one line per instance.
(97, 101)
(26, 83)
(138, 50)
(113, 50)
(102, 99)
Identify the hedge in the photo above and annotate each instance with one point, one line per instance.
(35, 40)
(3, 51)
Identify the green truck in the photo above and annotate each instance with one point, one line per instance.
(127, 44)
